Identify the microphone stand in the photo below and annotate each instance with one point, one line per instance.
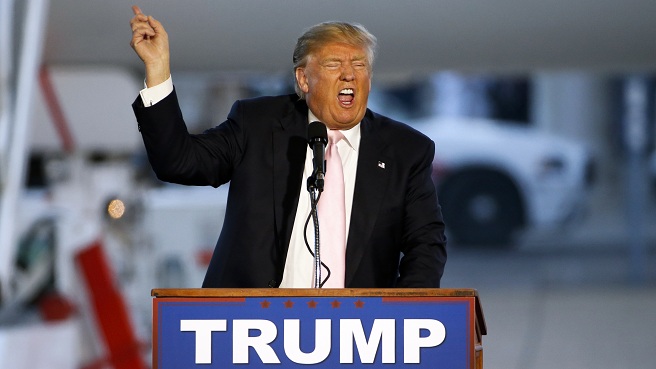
(315, 187)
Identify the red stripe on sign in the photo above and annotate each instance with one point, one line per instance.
(109, 309)
(56, 111)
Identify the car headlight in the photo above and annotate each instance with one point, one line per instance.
(122, 213)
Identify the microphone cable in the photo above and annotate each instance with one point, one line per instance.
(313, 211)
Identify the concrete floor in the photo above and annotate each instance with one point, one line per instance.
(567, 299)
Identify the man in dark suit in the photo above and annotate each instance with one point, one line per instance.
(393, 221)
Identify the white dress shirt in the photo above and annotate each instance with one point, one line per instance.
(300, 263)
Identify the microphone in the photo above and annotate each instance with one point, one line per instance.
(317, 139)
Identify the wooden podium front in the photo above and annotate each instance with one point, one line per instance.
(323, 328)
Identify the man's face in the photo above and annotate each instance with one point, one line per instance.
(336, 81)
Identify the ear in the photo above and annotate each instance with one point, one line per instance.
(301, 79)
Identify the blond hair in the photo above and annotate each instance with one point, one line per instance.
(323, 33)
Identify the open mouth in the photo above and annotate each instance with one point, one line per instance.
(346, 96)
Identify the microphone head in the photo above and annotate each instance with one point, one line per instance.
(317, 132)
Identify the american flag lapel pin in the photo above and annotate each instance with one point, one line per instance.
(381, 165)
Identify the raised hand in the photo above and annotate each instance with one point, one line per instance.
(151, 43)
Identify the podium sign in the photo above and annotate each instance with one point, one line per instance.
(322, 328)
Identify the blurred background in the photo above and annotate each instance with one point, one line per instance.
(543, 115)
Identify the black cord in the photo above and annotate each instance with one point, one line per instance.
(316, 232)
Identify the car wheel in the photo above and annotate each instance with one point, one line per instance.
(481, 209)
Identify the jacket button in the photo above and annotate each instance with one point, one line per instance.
(273, 283)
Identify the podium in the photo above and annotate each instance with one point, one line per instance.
(319, 328)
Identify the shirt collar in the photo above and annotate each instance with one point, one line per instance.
(351, 136)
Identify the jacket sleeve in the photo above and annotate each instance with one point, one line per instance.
(424, 241)
(176, 156)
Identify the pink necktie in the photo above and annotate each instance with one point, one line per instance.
(332, 215)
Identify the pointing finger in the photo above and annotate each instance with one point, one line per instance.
(138, 16)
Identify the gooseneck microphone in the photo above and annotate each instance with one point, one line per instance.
(317, 139)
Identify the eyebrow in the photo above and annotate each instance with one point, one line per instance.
(337, 59)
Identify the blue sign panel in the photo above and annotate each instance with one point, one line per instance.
(323, 332)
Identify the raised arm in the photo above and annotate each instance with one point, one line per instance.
(151, 43)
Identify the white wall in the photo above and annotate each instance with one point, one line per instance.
(96, 102)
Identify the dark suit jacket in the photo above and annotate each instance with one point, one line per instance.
(261, 149)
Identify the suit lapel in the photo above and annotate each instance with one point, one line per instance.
(370, 186)
(289, 150)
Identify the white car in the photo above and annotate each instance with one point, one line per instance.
(496, 178)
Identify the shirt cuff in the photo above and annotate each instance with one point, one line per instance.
(153, 95)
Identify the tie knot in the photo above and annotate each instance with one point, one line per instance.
(334, 136)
